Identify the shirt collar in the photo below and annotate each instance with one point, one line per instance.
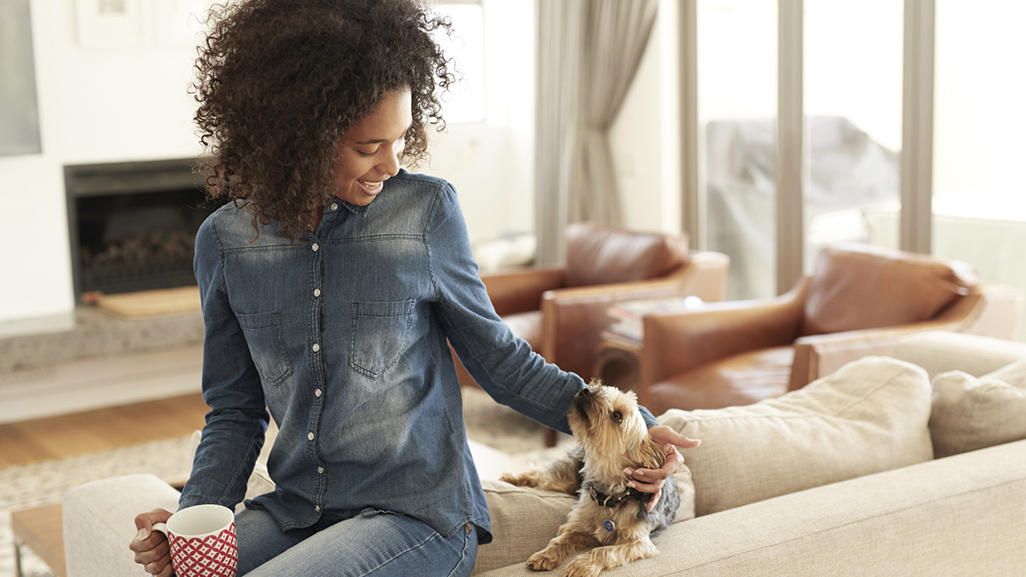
(354, 208)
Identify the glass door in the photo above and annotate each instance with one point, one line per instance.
(852, 95)
(737, 108)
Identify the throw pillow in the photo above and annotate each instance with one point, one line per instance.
(971, 413)
(869, 416)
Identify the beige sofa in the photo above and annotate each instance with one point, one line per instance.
(960, 515)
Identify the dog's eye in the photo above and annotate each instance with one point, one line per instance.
(618, 417)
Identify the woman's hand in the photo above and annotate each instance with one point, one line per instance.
(651, 480)
(151, 547)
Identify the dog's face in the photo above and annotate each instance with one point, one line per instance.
(606, 422)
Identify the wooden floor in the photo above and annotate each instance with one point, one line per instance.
(26, 442)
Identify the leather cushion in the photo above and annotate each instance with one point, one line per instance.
(858, 287)
(602, 255)
(740, 379)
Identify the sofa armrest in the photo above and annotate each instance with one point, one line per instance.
(574, 318)
(962, 515)
(939, 352)
(520, 290)
(676, 342)
(1000, 312)
(816, 356)
(99, 523)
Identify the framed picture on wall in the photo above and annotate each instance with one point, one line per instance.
(19, 115)
(108, 23)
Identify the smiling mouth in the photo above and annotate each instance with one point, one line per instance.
(371, 187)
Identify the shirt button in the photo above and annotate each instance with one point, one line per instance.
(310, 436)
(317, 292)
(318, 393)
(316, 347)
(334, 206)
(317, 508)
(315, 246)
(320, 470)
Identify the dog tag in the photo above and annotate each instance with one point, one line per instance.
(609, 525)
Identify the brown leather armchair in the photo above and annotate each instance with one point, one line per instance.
(858, 301)
(561, 310)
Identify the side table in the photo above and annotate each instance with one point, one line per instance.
(42, 530)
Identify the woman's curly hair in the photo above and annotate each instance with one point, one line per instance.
(279, 81)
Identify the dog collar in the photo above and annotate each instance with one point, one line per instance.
(610, 500)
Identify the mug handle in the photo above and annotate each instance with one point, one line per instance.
(162, 527)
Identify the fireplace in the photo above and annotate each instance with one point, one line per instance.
(132, 225)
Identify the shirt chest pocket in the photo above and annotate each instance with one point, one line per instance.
(263, 336)
(380, 335)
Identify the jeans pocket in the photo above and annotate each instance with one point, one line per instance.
(380, 335)
(263, 336)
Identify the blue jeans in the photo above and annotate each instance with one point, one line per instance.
(373, 543)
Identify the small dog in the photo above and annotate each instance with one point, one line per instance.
(611, 435)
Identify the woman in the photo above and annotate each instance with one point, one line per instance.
(330, 287)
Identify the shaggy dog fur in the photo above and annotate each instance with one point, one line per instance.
(608, 516)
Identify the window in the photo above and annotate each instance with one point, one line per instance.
(979, 199)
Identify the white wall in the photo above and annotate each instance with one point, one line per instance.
(491, 164)
(130, 103)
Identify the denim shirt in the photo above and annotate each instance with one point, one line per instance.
(342, 336)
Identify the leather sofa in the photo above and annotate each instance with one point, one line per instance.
(561, 310)
(741, 352)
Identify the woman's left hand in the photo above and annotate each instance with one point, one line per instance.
(651, 480)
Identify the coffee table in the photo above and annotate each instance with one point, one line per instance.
(42, 530)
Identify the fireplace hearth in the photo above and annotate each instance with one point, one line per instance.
(132, 225)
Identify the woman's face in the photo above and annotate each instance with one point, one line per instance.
(369, 152)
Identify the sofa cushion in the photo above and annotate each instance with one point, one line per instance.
(871, 415)
(523, 521)
(1013, 373)
(859, 287)
(970, 412)
(602, 255)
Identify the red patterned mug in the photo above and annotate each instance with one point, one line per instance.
(202, 540)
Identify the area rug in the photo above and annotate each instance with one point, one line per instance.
(43, 483)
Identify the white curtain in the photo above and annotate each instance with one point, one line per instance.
(588, 53)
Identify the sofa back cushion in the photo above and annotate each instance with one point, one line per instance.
(870, 416)
(860, 287)
(971, 413)
(603, 255)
